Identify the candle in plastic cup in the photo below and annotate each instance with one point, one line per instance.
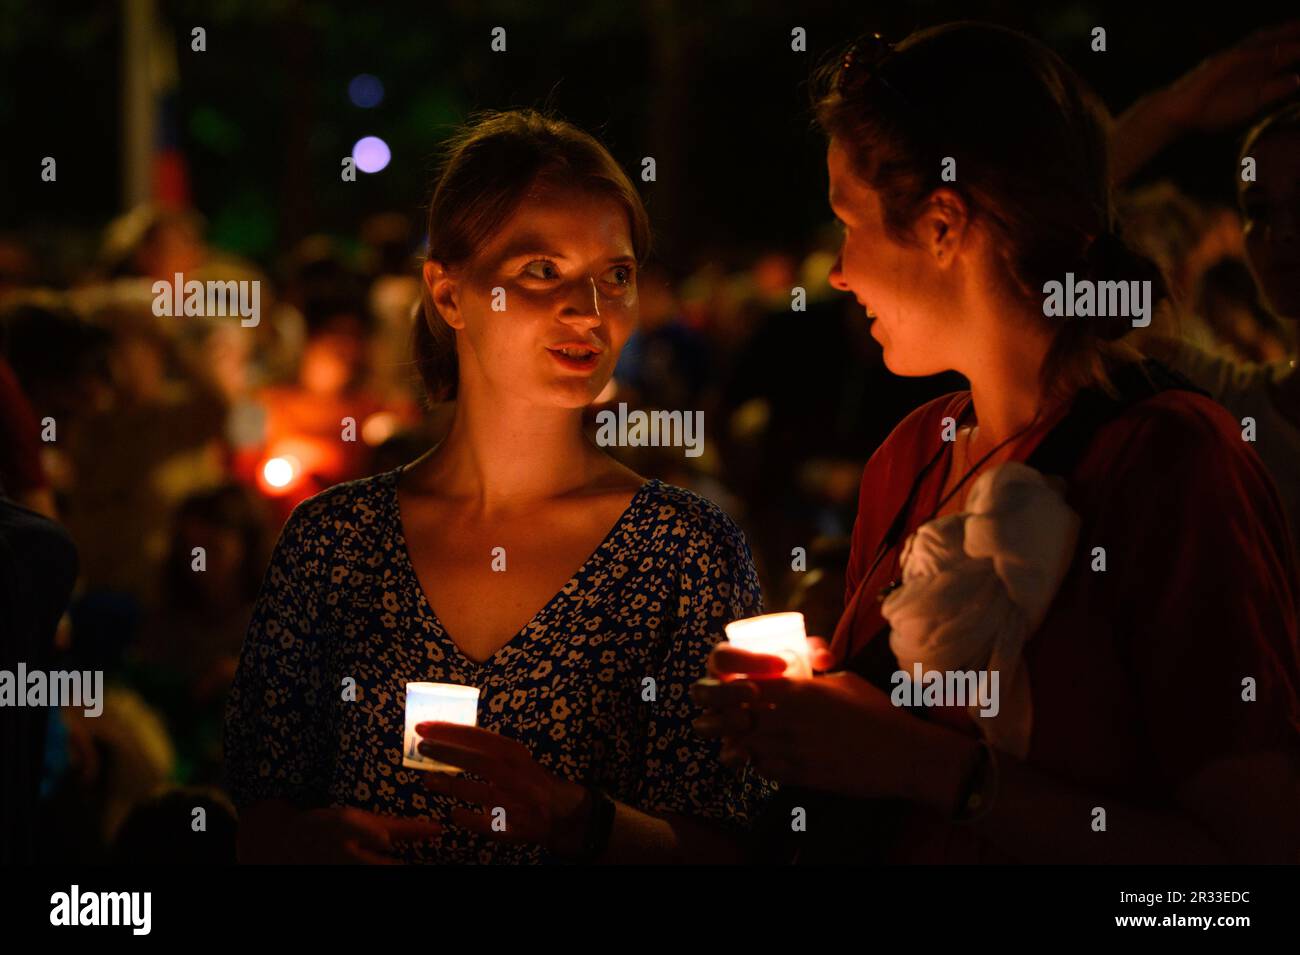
(775, 634)
(435, 702)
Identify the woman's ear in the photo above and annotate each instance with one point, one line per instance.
(945, 224)
(442, 290)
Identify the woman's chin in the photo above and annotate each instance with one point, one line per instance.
(905, 366)
(576, 392)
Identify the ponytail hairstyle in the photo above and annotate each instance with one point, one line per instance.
(1032, 151)
(489, 167)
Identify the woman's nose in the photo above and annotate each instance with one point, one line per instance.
(582, 306)
(836, 277)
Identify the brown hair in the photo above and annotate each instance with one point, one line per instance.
(489, 166)
(1031, 144)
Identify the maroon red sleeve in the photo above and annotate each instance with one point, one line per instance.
(1203, 588)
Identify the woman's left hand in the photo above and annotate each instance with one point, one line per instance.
(835, 732)
(520, 801)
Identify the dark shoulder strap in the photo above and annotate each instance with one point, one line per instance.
(1063, 447)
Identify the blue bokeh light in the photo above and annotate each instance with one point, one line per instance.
(365, 91)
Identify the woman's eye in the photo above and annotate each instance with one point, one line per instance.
(541, 269)
(619, 275)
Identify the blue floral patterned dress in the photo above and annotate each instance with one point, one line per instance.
(341, 599)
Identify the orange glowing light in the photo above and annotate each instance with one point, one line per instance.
(379, 427)
(280, 472)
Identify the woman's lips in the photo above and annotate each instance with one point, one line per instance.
(575, 357)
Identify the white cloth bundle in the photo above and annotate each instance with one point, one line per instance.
(976, 585)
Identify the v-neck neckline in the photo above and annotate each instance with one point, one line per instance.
(404, 555)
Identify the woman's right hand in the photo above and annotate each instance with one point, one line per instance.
(278, 833)
(728, 662)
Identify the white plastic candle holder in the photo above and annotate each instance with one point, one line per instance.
(435, 702)
(775, 634)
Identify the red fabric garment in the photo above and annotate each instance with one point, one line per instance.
(1136, 672)
(20, 438)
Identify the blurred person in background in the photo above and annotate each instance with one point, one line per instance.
(1213, 304)
(160, 437)
(1245, 331)
(667, 361)
(1267, 392)
(38, 567)
(153, 242)
(186, 656)
(1183, 236)
(393, 298)
(61, 363)
(327, 422)
(1225, 90)
(98, 769)
(22, 470)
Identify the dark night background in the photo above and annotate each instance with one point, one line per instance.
(711, 90)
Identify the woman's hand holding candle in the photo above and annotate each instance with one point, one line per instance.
(730, 662)
(774, 635)
(836, 732)
(537, 806)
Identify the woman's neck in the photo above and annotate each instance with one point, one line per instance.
(503, 454)
(1005, 374)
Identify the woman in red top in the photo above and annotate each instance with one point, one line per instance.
(969, 167)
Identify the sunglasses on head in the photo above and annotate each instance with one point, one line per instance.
(862, 58)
